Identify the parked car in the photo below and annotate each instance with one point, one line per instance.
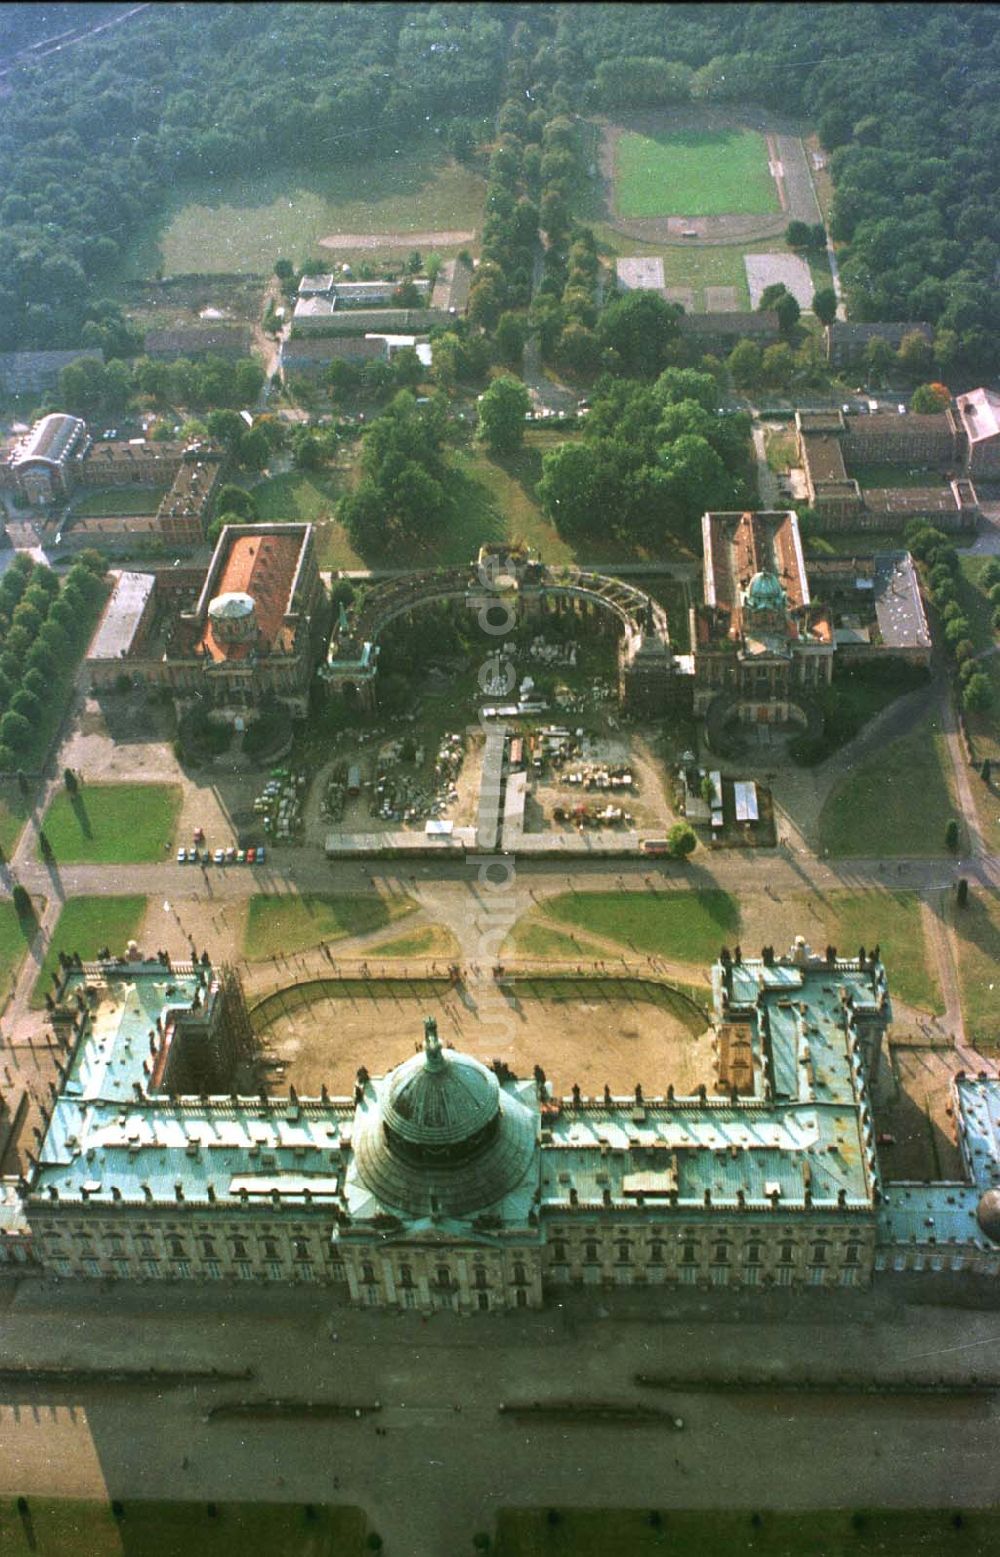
(241, 855)
(231, 854)
(219, 856)
(260, 855)
(182, 856)
(251, 856)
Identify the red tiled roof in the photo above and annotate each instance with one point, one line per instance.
(262, 566)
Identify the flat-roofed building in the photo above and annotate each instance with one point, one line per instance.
(979, 412)
(311, 358)
(876, 606)
(33, 372)
(846, 344)
(758, 641)
(123, 628)
(208, 340)
(720, 332)
(916, 438)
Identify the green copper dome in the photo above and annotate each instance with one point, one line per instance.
(764, 593)
(443, 1137)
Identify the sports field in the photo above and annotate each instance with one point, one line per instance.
(242, 225)
(693, 173)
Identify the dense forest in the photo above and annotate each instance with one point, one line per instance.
(93, 137)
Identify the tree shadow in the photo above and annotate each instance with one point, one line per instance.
(81, 814)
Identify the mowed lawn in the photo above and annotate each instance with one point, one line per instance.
(310, 497)
(897, 801)
(896, 1532)
(242, 225)
(85, 925)
(977, 927)
(693, 173)
(13, 945)
(13, 815)
(892, 919)
(64, 1527)
(279, 925)
(680, 926)
(113, 824)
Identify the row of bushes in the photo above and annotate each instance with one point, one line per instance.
(942, 581)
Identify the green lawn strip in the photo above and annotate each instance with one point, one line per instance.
(557, 988)
(531, 938)
(113, 824)
(284, 924)
(238, 224)
(509, 482)
(681, 926)
(85, 925)
(693, 173)
(432, 940)
(897, 801)
(977, 927)
(310, 497)
(782, 450)
(14, 941)
(64, 1527)
(13, 815)
(896, 1532)
(118, 500)
(708, 267)
(892, 919)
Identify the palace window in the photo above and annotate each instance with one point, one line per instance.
(368, 1273)
(851, 1254)
(443, 1276)
(239, 1249)
(787, 1253)
(590, 1253)
(819, 1254)
(183, 1269)
(688, 1254)
(559, 1253)
(656, 1253)
(480, 1277)
(208, 1248)
(623, 1253)
(244, 1270)
(175, 1246)
(521, 1298)
(721, 1254)
(406, 1276)
(483, 1299)
(213, 1270)
(274, 1270)
(520, 1275)
(270, 1249)
(753, 1253)
(301, 1249)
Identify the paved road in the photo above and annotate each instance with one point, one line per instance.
(440, 1474)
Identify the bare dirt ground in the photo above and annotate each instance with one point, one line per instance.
(394, 240)
(646, 802)
(763, 270)
(596, 1038)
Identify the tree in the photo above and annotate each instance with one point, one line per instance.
(961, 892)
(745, 364)
(951, 836)
(509, 339)
(307, 451)
(788, 312)
(641, 328)
(681, 840)
(14, 732)
(502, 411)
(226, 427)
(798, 235)
(70, 781)
(824, 305)
(915, 356)
(928, 398)
(778, 365)
(977, 696)
(237, 501)
(879, 359)
(956, 629)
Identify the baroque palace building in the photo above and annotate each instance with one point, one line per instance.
(447, 1184)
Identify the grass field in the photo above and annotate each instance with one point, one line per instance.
(13, 815)
(709, 267)
(978, 929)
(853, 919)
(282, 925)
(113, 824)
(896, 802)
(118, 500)
(63, 1527)
(302, 497)
(242, 225)
(430, 940)
(898, 1532)
(85, 925)
(13, 945)
(681, 926)
(693, 173)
